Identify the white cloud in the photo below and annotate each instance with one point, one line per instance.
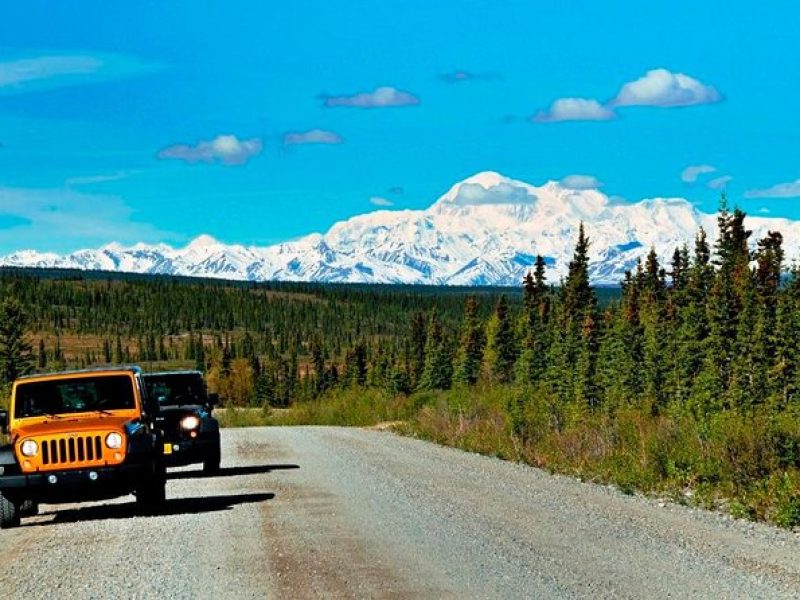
(58, 219)
(780, 190)
(227, 149)
(379, 98)
(691, 173)
(17, 72)
(313, 136)
(719, 183)
(461, 76)
(27, 74)
(574, 109)
(470, 194)
(94, 179)
(378, 201)
(660, 87)
(581, 182)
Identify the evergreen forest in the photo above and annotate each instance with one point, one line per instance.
(685, 382)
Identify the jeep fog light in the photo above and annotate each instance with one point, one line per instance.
(190, 422)
(29, 448)
(114, 440)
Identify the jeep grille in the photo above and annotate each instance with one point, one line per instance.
(79, 449)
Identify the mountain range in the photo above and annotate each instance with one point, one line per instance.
(486, 230)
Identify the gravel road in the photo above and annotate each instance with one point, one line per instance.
(331, 512)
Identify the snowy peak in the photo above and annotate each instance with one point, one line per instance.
(486, 179)
(487, 187)
(485, 230)
(491, 196)
(202, 242)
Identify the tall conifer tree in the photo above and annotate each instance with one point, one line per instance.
(471, 345)
(15, 352)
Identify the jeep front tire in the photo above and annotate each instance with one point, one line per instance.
(28, 508)
(212, 460)
(152, 493)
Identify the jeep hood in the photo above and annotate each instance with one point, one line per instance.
(185, 409)
(70, 424)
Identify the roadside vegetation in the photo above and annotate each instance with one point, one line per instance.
(685, 385)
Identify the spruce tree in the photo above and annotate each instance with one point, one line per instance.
(724, 306)
(784, 374)
(417, 336)
(200, 356)
(680, 269)
(691, 324)
(539, 279)
(318, 363)
(356, 365)
(745, 383)
(472, 341)
(578, 296)
(264, 388)
(501, 351)
(618, 367)
(379, 368)
(15, 353)
(399, 381)
(437, 371)
(533, 327)
(769, 260)
(42, 355)
(581, 324)
(654, 332)
(119, 355)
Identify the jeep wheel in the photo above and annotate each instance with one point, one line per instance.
(28, 508)
(9, 513)
(152, 494)
(211, 462)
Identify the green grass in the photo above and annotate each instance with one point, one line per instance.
(243, 417)
(748, 465)
(348, 407)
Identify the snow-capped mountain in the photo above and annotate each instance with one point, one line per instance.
(486, 230)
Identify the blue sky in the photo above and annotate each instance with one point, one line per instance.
(258, 122)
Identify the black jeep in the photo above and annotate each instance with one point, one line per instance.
(191, 433)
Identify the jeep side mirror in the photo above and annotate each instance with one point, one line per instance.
(3, 421)
(213, 399)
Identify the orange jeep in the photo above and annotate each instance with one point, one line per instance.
(79, 436)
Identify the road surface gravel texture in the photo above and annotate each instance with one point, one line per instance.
(312, 512)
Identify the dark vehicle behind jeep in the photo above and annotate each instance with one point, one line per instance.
(191, 433)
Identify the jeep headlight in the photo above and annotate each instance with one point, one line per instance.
(29, 448)
(190, 422)
(114, 440)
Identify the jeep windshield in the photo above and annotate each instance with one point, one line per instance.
(75, 395)
(176, 389)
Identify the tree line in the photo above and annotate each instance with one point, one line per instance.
(710, 329)
(261, 343)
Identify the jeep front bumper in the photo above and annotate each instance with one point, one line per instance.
(75, 485)
(182, 450)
